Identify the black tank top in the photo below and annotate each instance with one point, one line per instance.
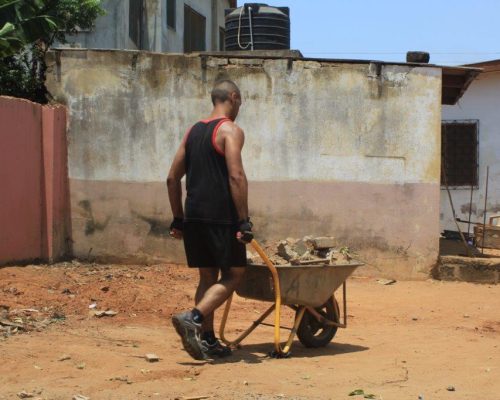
(207, 179)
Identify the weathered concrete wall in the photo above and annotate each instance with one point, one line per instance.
(34, 199)
(481, 102)
(351, 150)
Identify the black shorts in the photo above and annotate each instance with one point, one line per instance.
(213, 246)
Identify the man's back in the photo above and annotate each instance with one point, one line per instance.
(207, 180)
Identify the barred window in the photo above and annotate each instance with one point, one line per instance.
(459, 153)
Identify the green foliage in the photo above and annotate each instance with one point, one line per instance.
(73, 14)
(23, 23)
(23, 75)
(27, 30)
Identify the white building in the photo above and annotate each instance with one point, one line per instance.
(158, 25)
(471, 143)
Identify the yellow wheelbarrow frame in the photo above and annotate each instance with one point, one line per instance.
(279, 350)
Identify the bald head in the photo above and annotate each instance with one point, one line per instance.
(222, 91)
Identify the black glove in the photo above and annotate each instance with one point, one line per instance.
(177, 223)
(245, 230)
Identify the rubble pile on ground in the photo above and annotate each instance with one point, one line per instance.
(27, 319)
(306, 251)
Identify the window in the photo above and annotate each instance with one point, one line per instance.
(222, 39)
(194, 30)
(135, 15)
(171, 13)
(459, 153)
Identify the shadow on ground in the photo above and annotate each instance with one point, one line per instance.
(258, 353)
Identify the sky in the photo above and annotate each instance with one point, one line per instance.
(454, 32)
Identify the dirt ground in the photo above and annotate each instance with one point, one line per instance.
(403, 341)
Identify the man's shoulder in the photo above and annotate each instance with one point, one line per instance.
(230, 127)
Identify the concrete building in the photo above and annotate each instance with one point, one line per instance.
(157, 25)
(471, 142)
(344, 148)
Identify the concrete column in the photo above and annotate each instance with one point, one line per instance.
(55, 187)
(152, 26)
(214, 27)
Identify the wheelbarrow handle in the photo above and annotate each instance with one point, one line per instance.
(272, 268)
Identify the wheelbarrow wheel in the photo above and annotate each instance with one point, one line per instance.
(313, 333)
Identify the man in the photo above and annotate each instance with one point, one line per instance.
(214, 223)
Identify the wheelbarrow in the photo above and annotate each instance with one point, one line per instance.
(307, 289)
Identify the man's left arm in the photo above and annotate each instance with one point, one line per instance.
(238, 184)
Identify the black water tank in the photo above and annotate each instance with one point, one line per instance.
(270, 27)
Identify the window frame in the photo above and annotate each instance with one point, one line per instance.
(469, 121)
(222, 37)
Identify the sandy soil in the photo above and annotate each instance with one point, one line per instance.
(403, 341)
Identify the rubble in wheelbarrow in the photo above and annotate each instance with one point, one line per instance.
(306, 251)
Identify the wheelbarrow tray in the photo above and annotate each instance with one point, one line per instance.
(308, 285)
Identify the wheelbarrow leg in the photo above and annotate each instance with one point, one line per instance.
(247, 332)
(286, 350)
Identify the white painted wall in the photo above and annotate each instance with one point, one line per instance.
(481, 102)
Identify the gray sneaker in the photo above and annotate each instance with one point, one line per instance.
(189, 331)
(216, 349)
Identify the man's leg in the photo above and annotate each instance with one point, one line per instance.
(219, 243)
(189, 324)
(218, 293)
(208, 277)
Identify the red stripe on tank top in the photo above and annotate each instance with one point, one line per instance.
(214, 136)
(206, 121)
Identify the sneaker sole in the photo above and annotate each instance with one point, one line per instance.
(217, 353)
(190, 349)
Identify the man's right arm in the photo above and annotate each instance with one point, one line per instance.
(177, 171)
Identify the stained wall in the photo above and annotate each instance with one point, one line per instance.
(344, 149)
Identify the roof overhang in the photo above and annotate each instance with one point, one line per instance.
(456, 80)
(486, 66)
